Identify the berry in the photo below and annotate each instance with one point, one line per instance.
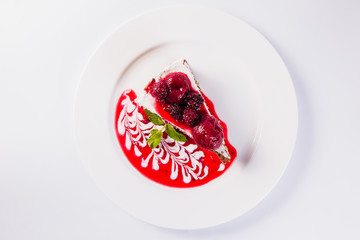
(175, 110)
(178, 87)
(159, 90)
(194, 100)
(190, 117)
(208, 134)
(161, 101)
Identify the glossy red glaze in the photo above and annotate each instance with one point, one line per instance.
(161, 172)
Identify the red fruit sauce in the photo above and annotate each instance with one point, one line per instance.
(172, 163)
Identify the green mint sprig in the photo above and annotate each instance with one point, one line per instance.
(154, 118)
(156, 134)
(174, 134)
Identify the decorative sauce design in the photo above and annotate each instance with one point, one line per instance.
(172, 163)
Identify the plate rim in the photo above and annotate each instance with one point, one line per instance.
(76, 109)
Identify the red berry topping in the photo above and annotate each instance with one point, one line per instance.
(208, 134)
(159, 90)
(194, 100)
(161, 101)
(190, 117)
(175, 110)
(178, 87)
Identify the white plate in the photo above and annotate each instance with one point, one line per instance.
(242, 74)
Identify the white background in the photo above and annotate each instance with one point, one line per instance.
(44, 190)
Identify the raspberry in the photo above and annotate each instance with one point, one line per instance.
(161, 101)
(159, 90)
(190, 117)
(194, 100)
(208, 134)
(178, 87)
(175, 110)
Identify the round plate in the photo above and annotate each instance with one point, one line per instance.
(237, 69)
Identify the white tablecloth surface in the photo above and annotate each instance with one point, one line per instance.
(44, 190)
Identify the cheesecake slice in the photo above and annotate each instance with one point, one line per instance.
(175, 95)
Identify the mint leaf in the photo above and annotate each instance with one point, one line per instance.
(155, 138)
(174, 134)
(154, 118)
(154, 131)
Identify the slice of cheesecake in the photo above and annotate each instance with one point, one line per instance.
(176, 97)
